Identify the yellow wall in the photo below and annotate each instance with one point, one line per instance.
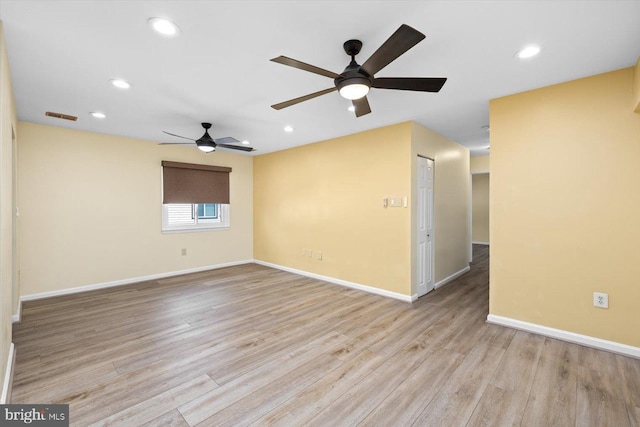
(452, 192)
(327, 197)
(90, 207)
(565, 207)
(480, 198)
(9, 286)
(479, 164)
(480, 207)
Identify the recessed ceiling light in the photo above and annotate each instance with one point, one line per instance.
(98, 115)
(164, 26)
(351, 108)
(528, 51)
(485, 127)
(245, 142)
(120, 84)
(288, 129)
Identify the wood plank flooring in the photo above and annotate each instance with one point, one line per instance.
(254, 346)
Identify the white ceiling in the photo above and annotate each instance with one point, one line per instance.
(63, 53)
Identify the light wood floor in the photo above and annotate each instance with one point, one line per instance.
(250, 345)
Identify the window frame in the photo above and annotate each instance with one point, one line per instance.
(204, 217)
(204, 224)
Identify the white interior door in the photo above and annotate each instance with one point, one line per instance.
(425, 226)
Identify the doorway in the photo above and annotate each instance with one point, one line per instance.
(425, 252)
(15, 268)
(480, 190)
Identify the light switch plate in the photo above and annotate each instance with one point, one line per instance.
(396, 202)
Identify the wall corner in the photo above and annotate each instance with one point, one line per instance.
(636, 88)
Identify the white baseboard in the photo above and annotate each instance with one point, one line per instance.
(121, 282)
(454, 276)
(365, 288)
(7, 376)
(16, 317)
(481, 243)
(600, 344)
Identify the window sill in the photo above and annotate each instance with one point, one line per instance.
(195, 230)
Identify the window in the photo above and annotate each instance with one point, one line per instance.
(197, 216)
(194, 197)
(207, 211)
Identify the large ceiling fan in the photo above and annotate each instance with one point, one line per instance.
(208, 144)
(356, 80)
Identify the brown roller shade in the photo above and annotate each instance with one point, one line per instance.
(189, 183)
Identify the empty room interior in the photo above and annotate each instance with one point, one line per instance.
(393, 213)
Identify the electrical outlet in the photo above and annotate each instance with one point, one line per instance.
(319, 255)
(309, 253)
(600, 300)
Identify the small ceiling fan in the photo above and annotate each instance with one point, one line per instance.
(356, 80)
(207, 144)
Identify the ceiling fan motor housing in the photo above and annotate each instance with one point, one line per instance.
(353, 74)
(206, 143)
(206, 140)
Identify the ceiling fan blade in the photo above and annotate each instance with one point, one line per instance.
(304, 66)
(401, 41)
(361, 106)
(236, 147)
(176, 143)
(423, 84)
(295, 101)
(225, 140)
(173, 134)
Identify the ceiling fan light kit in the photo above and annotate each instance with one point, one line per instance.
(353, 91)
(356, 80)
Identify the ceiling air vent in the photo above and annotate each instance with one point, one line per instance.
(61, 116)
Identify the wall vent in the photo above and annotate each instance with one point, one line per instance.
(61, 116)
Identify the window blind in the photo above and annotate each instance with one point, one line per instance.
(190, 183)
